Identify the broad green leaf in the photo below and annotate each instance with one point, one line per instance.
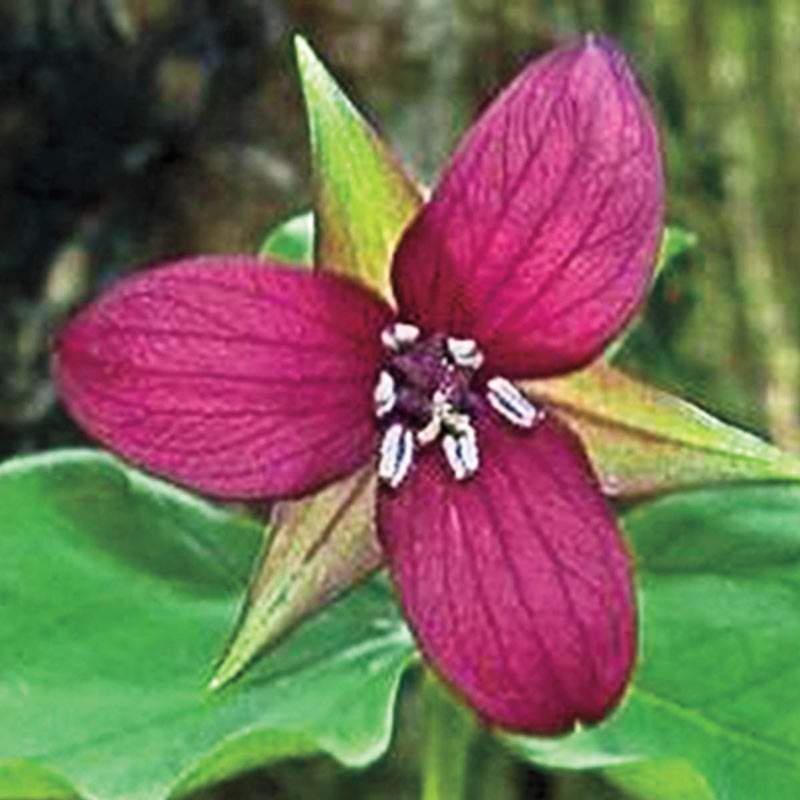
(26, 780)
(643, 441)
(663, 779)
(292, 240)
(718, 681)
(321, 546)
(118, 591)
(363, 199)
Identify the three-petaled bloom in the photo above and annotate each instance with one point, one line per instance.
(245, 378)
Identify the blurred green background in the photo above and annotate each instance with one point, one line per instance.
(136, 130)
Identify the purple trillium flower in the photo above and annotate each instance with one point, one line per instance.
(245, 378)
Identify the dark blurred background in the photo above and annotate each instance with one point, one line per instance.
(134, 130)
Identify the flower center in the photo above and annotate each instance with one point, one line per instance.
(429, 390)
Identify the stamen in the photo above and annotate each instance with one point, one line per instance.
(462, 453)
(510, 403)
(397, 453)
(433, 428)
(431, 431)
(425, 393)
(399, 335)
(457, 422)
(465, 352)
(385, 394)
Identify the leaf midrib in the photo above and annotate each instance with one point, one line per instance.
(740, 738)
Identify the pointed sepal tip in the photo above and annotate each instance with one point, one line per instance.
(246, 645)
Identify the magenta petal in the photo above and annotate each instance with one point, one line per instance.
(516, 581)
(229, 374)
(540, 239)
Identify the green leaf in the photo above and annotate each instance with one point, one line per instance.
(25, 780)
(292, 240)
(363, 199)
(118, 591)
(663, 779)
(643, 441)
(718, 679)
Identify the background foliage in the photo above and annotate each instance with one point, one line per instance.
(134, 130)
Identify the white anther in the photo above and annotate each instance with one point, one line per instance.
(385, 394)
(510, 403)
(462, 453)
(465, 352)
(399, 335)
(397, 453)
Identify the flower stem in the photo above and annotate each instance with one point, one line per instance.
(449, 731)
